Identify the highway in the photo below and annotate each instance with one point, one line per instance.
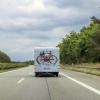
(22, 84)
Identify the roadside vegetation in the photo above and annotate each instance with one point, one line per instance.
(11, 66)
(4, 58)
(6, 64)
(89, 68)
(82, 47)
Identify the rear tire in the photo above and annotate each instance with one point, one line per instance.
(36, 74)
(57, 74)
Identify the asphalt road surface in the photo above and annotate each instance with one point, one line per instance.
(22, 84)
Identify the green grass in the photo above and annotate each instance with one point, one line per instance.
(11, 66)
(84, 68)
(6, 70)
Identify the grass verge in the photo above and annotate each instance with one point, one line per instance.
(4, 67)
(84, 68)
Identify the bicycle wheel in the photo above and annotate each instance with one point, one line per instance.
(40, 60)
(53, 59)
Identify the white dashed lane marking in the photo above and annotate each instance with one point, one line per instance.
(21, 80)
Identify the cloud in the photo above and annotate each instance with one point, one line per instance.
(25, 24)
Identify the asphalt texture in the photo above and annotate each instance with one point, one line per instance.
(22, 84)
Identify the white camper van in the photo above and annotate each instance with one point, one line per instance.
(46, 60)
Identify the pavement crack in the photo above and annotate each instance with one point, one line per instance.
(48, 88)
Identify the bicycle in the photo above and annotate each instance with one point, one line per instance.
(46, 57)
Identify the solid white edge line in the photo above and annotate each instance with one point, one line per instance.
(12, 71)
(22, 79)
(7, 72)
(82, 84)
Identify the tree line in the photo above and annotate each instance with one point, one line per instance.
(83, 46)
(4, 57)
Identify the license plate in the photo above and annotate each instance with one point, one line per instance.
(46, 68)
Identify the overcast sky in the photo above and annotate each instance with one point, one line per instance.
(25, 24)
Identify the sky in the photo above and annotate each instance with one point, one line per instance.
(25, 24)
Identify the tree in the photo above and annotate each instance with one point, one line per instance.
(95, 20)
(4, 57)
(83, 46)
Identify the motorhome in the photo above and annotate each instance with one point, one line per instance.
(46, 60)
